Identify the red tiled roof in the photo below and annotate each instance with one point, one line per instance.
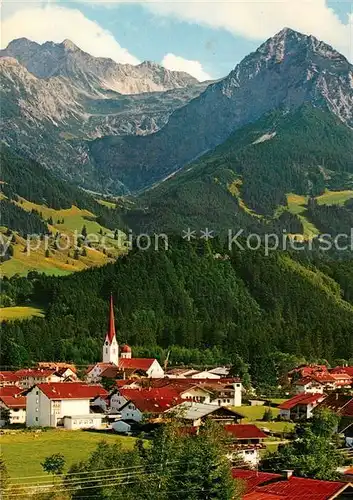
(150, 393)
(125, 348)
(253, 478)
(299, 488)
(72, 390)
(294, 488)
(338, 403)
(14, 402)
(347, 410)
(343, 369)
(307, 380)
(8, 376)
(151, 401)
(10, 390)
(302, 399)
(102, 366)
(136, 363)
(245, 431)
(34, 372)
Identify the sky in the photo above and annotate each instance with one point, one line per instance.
(204, 38)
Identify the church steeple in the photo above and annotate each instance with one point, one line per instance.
(110, 347)
(111, 325)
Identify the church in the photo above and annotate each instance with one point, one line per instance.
(117, 362)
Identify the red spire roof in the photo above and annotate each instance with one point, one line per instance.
(111, 326)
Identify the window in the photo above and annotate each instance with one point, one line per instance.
(106, 350)
(36, 419)
(37, 393)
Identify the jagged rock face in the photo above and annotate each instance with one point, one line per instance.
(54, 95)
(93, 74)
(286, 71)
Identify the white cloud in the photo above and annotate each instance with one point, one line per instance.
(55, 23)
(178, 63)
(256, 20)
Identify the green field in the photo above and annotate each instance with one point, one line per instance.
(254, 414)
(24, 451)
(17, 312)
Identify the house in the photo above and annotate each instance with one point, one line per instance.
(119, 397)
(269, 486)
(28, 377)
(12, 410)
(342, 405)
(64, 404)
(246, 443)
(301, 406)
(306, 371)
(221, 392)
(308, 385)
(195, 414)
(8, 378)
(341, 377)
(192, 373)
(143, 403)
(117, 362)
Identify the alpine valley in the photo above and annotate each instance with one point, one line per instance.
(110, 149)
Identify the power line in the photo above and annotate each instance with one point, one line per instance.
(86, 480)
(45, 476)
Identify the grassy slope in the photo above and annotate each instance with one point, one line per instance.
(254, 414)
(297, 205)
(24, 451)
(17, 312)
(60, 262)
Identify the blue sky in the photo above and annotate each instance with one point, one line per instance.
(208, 39)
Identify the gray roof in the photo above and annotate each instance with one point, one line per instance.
(192, 411)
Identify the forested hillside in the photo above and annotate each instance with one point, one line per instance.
(193, 295)
(244, 181)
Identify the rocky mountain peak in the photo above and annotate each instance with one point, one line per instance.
(69, 45)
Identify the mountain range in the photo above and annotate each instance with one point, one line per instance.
(87, 108)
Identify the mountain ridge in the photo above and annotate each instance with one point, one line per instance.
(257, 85)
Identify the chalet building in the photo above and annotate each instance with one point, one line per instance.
(191, 373)
(308, 385)
(342, 405)
(301, 406)
(222, 392)
(64, 404)
(196, 414)
(117, 362)
(143, 403)
(12, 409)
(269, 486)
(246, 443)
(28, 377)
(8, 378)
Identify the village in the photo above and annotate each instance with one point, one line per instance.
(125, 395)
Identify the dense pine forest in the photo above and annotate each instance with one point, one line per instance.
(197, 296)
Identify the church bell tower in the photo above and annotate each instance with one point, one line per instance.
(110, 346)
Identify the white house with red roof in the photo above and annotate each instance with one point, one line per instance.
(65, 404)
(308, 385)
(246, 443)
(28, 377)
(143, 402)
(14, 407)
(118, 361)
(301, 406)
(8, 378)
